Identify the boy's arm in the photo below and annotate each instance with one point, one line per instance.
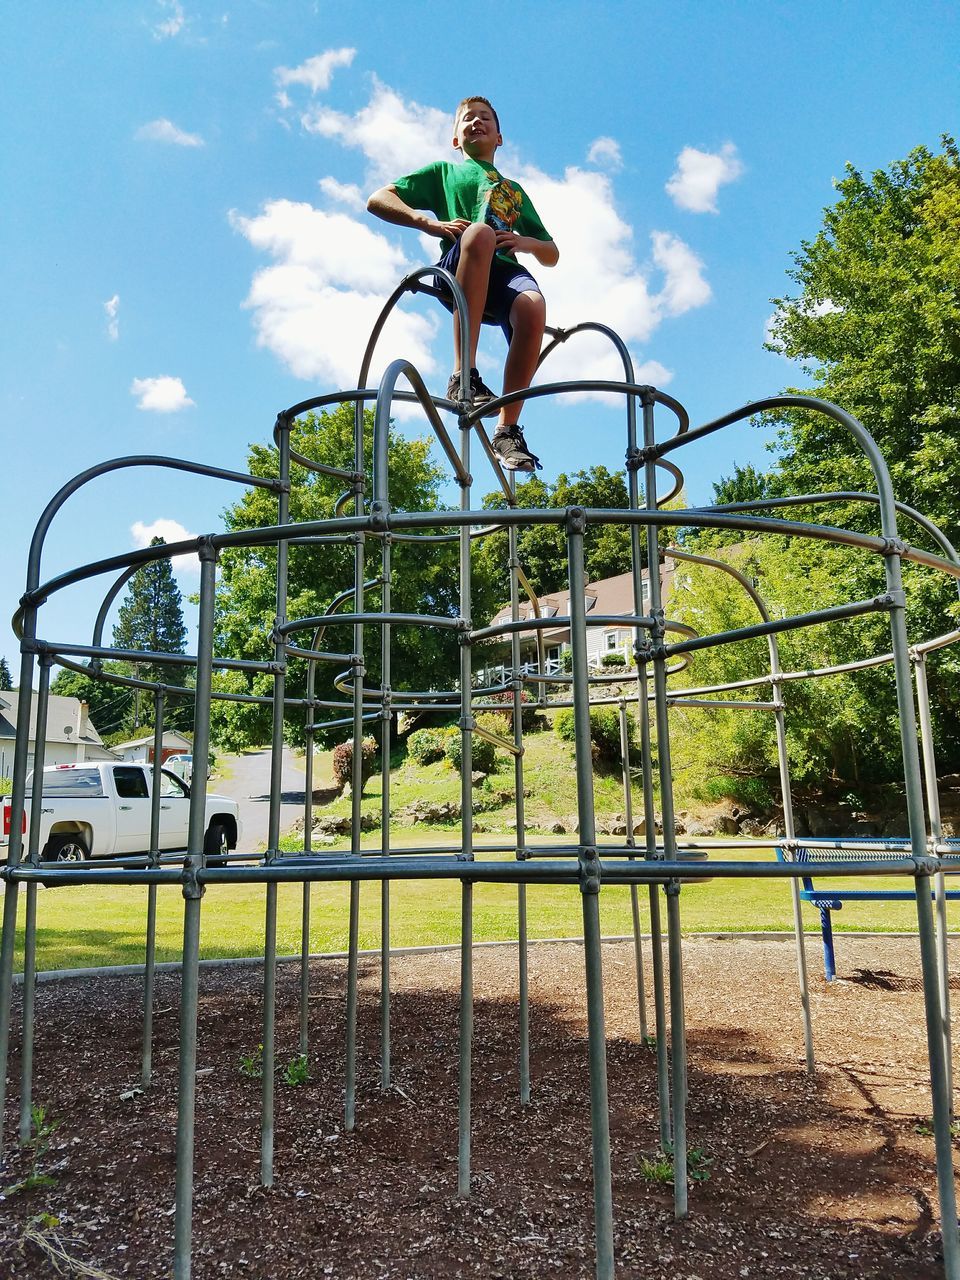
(545, 251)
(387, 205)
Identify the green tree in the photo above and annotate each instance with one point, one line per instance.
(424, 579)
(151, 619)
(110, 704)
(542, 549)
(877, 322)
(831, 723)
(6, 682)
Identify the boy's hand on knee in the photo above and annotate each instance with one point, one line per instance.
(452, 230)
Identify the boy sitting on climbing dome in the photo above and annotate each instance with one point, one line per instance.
(483, 221)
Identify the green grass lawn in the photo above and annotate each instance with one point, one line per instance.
(83, 927)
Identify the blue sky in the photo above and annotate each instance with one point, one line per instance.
(185, 249)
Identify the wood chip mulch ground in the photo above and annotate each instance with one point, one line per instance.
(823, 1178)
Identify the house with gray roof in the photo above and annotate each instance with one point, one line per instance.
(70, 737)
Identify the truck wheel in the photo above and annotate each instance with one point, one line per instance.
(66, 847)
(216, 844)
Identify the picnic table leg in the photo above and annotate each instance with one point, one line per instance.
(826, 932)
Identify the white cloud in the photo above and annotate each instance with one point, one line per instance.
(170, 531)
(654, 374)
(395, 136)
(684, 286)
(167, 131)
(699, 175)
(112, 308)
(173, 25)
(160, 395)
(317, 72)
(315, 307)
(599, 277)
(347, 193)
(605, 152)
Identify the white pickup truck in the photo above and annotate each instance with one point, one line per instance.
(102, 810)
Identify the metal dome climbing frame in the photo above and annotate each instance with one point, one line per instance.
(364, 518)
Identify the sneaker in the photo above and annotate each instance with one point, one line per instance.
(480, 393)
(511, 449)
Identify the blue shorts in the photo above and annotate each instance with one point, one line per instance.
(507, 281)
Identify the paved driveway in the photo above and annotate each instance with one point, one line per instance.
(249, 785)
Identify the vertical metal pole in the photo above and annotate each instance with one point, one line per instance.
(466, 838)
(524, 992)
(590, 890)
(522, 939)
(928, 947)
(642, 653)
(30, 924)
(15, 847)
(356, 785)
(150, 950)
(936, 833)
(653, 895)
(306, 887)
(386, 718)
(466, 1037)
(268, 1039)
(790, 832)
(634, 892)
(678, 1049)
(678, 1044)
(192, 893)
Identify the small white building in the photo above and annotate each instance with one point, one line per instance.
(70, 738)
(173, 744)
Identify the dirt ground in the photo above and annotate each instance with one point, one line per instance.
(822, 1178)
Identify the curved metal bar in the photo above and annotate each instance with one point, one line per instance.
(401, 619)
(563, 335)
(881, 473)
(381, 428)
(809, 499)
(119, 464)
(406, 285)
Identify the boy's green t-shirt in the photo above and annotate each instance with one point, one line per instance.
(475, 191)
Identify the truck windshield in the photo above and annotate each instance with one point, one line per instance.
(74, 783)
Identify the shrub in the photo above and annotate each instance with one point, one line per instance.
(613, 660)
(563, 724)
(484, 753)
(530, 718)
(343, 762)
(604, 731)
(425, 746)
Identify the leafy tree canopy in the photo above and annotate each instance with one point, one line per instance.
(151, 619)
(6, 681)
(542, 548)
(424, 579)
(876, 319)
(110, 704)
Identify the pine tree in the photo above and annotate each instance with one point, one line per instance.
(151, 619)
(6, 681)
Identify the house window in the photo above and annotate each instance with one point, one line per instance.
(610, 639)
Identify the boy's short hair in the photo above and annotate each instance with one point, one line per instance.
(476, 97)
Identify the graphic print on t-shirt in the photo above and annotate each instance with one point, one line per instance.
(503, 202)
